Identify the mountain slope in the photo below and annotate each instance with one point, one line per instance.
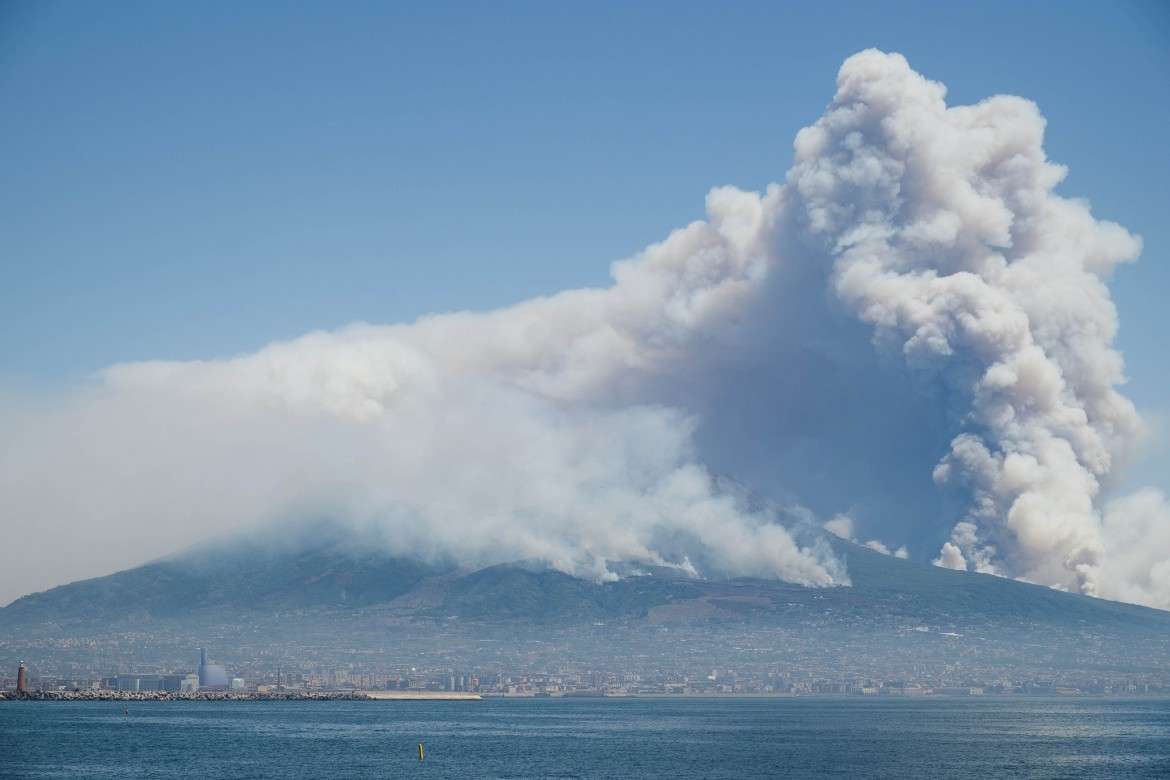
(238, 575)
(325, 572)
(320, 597)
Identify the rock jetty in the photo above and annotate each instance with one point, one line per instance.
(91, 695)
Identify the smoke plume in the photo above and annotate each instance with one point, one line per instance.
(945, 237)
(912, 334)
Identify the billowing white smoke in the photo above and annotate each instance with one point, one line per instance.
(577, 429)
(945, 236)
(842, 526)
(485, 437)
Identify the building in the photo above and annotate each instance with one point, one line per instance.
(211, 675)
(145, 682)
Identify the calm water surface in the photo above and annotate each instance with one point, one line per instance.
(803, 739)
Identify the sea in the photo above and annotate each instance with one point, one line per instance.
(925, 738)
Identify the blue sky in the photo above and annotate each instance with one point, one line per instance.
(195, 180)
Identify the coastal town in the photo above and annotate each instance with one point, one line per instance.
(440, 685)
(939, 667)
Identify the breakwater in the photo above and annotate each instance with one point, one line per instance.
(91, 695)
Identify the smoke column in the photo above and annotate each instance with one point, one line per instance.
(911, 337)
(945, 237)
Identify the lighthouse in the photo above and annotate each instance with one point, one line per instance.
(21, 678)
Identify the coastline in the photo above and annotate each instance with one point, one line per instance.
(138, 696)
(373, 695)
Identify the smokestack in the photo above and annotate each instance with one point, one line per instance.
(21, 678)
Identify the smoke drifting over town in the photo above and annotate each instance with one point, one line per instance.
(911, 337)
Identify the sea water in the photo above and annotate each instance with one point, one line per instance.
(804, 738)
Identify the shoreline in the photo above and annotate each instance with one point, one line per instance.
(148, 696)
(138, 696)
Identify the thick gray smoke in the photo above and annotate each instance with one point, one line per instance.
(911, 336)
(944, 235)
(485, 437)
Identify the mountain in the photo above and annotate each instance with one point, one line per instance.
(323, 593)
(330, 573)
(229, 575)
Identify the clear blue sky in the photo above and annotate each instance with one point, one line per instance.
(193, 180)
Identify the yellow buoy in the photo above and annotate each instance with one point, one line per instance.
(420, 752)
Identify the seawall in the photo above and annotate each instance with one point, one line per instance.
(233, 696)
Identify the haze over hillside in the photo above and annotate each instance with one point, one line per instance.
(910, 336)
(322, 601)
